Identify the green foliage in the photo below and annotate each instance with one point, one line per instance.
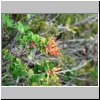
(94, 72)
(8, 26)
(22, 28)
(15, 67)
(68, 21)
(7, 21)
(37, 79)
(25, 36)
(35, 76)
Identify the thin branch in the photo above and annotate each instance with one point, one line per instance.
(17, 81)
(76, 68)
(29, 19)
(5, 63)
(4, 77)
(86, 20)
(83, 21)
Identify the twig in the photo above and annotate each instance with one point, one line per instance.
(79, 40)
(83, 21)
(4, 77)
(17, 81)
(54, 18)
(86, 20)
(76, 68)
(29, 19)
(5, 63)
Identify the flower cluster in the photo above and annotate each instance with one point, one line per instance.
(54, 70)
(52, 47)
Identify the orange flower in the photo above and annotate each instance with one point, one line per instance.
(52, 52)
(56, 69)
(48, 72)
(52, 48)
(56, 54)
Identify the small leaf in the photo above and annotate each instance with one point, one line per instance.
(22, 30)
(28, 16)
(9, 23)
(25, 38)
(46, 68)
(26, 28)
(45, 83)
(30, 72)
(43, 41)
(18, 36)
(30, 56)
(34, 37)
(68, 20)
(41, 76)
(35, 78)
(30, 34)
(20, 24)
(18, 60)
(36, 68)
(51, 66)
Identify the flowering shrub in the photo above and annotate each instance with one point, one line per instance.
(33, 54)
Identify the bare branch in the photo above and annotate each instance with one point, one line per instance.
(75, 68)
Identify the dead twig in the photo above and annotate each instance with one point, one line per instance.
(81, 65)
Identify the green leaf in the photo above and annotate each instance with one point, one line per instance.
(26, 28)
(46, 68)
(94, 72)
(45, 83)
(43, 41)
(41, 76)
(29, 34)
(22, 30)
(36, 68)
(68, 20)
(18, 37)
(51, 66)
(10, 57)
(24, 73)
(34, 37)
(20, 27)
(25, 38)
(35, 78)
(30, 71)
(30, 56)
(70, 29)
(28, 16)
(20, 24)
(9, 23)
